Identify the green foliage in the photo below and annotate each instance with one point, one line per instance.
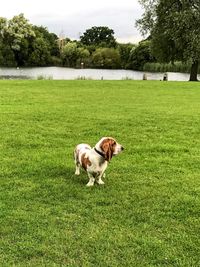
(146, 215)
(56, 61)
(140, 55)
(99, 36)
(17, 33)
(18, 29)
(51, 40)
(23, 44)
(125, 54)
(40, 55)
(106, 58)
(147, 22)
(73, 56)
(70, 54)
(174, 28)
(83, 57)
(44, 77)
(7, 57)
(168, 67)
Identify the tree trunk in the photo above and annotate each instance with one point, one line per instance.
(194, 71)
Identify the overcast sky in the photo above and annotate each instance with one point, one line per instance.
(72, 18)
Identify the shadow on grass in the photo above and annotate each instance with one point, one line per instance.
(58, 173)
(63, 172)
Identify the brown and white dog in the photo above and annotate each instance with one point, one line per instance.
(95, 160)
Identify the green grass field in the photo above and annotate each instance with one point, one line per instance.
(147, 213)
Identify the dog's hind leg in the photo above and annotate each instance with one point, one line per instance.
(99, 180)
(77, 163)
(91, 180)
(77, 172)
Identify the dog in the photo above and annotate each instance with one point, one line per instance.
(95, 160)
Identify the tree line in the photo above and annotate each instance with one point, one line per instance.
(24, 44)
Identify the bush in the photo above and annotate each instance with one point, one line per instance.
(168, 67)
(56, 61)
(44, 77)
(141, 55)
(73, 56)
(106, 58)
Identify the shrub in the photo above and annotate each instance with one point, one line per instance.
(106, 58)
(168, 67)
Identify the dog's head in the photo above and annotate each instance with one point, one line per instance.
(109, 147)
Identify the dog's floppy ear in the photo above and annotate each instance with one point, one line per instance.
(107, 148)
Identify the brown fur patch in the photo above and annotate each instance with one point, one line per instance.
(85, 162)
(108, 147)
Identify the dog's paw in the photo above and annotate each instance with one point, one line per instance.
(89, 184)
(100, 182)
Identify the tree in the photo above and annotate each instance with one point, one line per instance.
(7, 57)
(174, 28)
(83, 56)
(72, 55)
(125, 53)
(106, 58)
(18, 33)
(44, 48)
(99, 36)
(140, 55)
(50, 38)
(23, 44)
(40, 53)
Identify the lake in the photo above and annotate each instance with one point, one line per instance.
(61, 73)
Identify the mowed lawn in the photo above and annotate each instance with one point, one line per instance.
(148, 211)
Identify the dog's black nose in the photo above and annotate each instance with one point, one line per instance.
(122, 148)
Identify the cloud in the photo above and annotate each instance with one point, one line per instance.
(75, 17)
(121, 20)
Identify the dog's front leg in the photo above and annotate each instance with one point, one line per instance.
(91, 180)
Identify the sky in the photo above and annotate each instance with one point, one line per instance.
(71, 18)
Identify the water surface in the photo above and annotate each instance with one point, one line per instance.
(61, 73)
